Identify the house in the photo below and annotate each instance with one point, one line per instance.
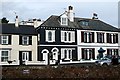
(18, 44)
(94, 36)
(67, 39)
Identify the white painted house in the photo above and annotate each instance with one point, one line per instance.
(18, 44)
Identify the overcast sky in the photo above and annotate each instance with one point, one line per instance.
(107, 10)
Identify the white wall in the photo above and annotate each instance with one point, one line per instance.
(15, 48)
(95, 45)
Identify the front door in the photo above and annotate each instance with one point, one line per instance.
(23, 57)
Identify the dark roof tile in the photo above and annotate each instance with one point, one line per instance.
(93, 24)
(22, 29)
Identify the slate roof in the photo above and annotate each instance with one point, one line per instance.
(94, 24)
(22, 29)
(54, 21)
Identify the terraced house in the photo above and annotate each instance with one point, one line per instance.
(18, 44)
(67, 39)
(63, 39)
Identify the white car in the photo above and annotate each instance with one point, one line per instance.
(103, 62)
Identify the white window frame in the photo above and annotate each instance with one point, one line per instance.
(23, 40)
(6, 40)
(25, 56)
(67, 40)
(4, 56)
(88, 37)
(64, 19)
(53, 36)
(112, 38)
(89, 54)
(68, 55)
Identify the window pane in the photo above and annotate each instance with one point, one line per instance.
(49, 36)
(69, 54)
(4, 37)
(69, 34)
(65, 36)
(64, 21)
(85, 37)
(25, 40)
(4, 41)
(4, 56)
(65, 52)
(4, 53)
(4, 59)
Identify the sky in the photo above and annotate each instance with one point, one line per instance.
(107, 10)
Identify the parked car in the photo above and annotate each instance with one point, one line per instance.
(107, 61)
(103, 62)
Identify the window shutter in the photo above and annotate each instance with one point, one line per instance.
(62, 36)
(20, 40)
(107, 38)
(110, 38)
(103, 38)
(62, 53)
(92, 36)
(82, 53)
(108, 52)
(93, 53)
(30, 40)
(38, 54)
(20, 55)
(0, 39)
(9, 39)
(116, 38)
(30, 55)
(82, 36)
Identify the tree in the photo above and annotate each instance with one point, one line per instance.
(4, 20)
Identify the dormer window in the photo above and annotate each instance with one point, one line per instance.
(64, 20)
(84, 23)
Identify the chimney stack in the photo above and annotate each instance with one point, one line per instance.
(35, 23)
(70, 13)
(16, 21)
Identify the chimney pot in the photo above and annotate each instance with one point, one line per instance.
(16, 22)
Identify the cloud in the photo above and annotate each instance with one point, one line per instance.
(43, 9)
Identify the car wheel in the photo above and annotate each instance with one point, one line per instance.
(105, 64)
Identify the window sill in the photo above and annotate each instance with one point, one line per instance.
(87, 42)
(25, 45)
(50, 41)
(5, 44)
(68, 41)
